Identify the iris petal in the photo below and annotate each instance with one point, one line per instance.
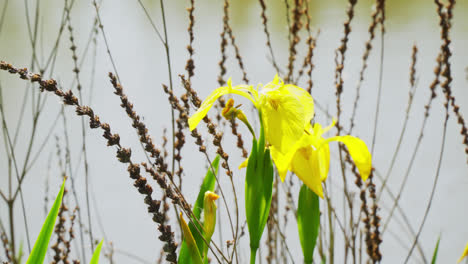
(242, 90)
(286, 112)
(359, 153)
(305, 165)
(283, 160)
(305, 100)
(325, 130)
(323, 157)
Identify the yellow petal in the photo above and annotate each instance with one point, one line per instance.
(276, 81)
(242, 90)
(284, 118)
(286, 111)
(305, 165)
(323, 156)
(465, 254)
(359, 152)
(283, 160)
(305, 98)
(244, 164)
(325, 130)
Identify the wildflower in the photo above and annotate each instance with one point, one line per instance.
(465, 254)
(310, 160)
(285, 110)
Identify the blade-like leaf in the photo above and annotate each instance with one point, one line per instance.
(40, 246)
(207, 185)
(308, 221)
(436, 250)
(97, 252)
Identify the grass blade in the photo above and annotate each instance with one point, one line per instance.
(436, 250)
(40, 246)
(97, 252)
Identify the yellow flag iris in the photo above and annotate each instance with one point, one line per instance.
(311, 157)
(285, 109)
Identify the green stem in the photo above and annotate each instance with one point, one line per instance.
(205, 249)
(12, 230)
(253, 254)
(250, 128)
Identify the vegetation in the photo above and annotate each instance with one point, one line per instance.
(338, 208)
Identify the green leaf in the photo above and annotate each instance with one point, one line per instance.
(40, 246)
(308, 221)
(436, 250)
(207, 185)
(258, 191)
(97, 252)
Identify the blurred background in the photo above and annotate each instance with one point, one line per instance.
(117, 211)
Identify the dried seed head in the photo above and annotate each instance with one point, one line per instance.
(124, 154)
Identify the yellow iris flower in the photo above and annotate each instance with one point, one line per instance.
(311, 158)
(285, 110)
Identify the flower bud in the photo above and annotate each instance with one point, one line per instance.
(209, 208)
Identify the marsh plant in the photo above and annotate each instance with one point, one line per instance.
(249, 172)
